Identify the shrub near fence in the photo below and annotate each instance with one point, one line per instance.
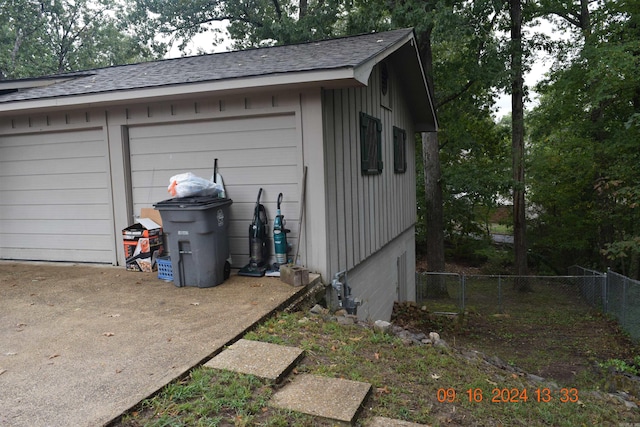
(610, 293)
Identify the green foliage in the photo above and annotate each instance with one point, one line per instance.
(250, 23)
(476, 168)
(584, 181)
(622, 366)
(497, 260)
(40, 38)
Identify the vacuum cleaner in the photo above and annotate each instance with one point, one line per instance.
(280, 245)
(258, 243)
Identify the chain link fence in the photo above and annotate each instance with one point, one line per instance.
(592, 286)
(623, 302)
(610, 292)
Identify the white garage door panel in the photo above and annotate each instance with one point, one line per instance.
(92, 180)
(252, 152)
(208, 128)
(28, 212)
(59, 248)
(66, 227)
(239, 158)
(53, 166)
(55, 198)
(57, 146)
(236, 140)
(262, 176)
(233, 140)
(80, 149)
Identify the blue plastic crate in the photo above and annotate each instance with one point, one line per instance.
(165, 271)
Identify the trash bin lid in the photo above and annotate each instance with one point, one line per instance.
(192, 202)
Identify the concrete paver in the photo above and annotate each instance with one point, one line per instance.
(264, 360)
(331, 398)
(388, 422)
(79, 345)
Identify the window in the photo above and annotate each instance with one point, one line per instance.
(371, 144)
(399, 150)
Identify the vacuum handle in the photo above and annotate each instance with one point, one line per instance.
(279, 200)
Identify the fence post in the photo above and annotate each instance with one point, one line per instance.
(463, 282)
(605, 291)
(500, 294)
(624, 302)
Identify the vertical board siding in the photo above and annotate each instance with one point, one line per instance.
(357, 235)
(253, 152)
(347, 172)
(331, 178)
(370, 210)
(55, 201)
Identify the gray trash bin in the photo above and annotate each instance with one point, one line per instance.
(196, 230)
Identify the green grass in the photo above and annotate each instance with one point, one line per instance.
(408, 382)
(496, 228)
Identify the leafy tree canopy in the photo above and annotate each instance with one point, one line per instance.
(45, 37)
(585, 179)
(252, 23)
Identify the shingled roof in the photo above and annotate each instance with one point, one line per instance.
(327, 62)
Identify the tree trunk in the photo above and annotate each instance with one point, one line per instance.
(432, 175)
(433, 196)
(517, 146)
(436, 284)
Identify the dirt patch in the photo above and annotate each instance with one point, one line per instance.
(568, 352)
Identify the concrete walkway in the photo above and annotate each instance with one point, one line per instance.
(80, 345)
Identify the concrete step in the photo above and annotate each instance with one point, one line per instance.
(331, 398)
(264, 360)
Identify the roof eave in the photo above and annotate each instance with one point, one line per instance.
(426, 118)
(335, 78)
(415, 81)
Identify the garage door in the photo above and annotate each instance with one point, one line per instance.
(252, 152)
(54, 198)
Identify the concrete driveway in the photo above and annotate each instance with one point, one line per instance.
(79, 345)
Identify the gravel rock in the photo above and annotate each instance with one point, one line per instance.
(317, 309)
(382, 326)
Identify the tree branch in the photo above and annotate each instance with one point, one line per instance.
(455, 95)
(276, 4)
(569, 18)
(217, 19)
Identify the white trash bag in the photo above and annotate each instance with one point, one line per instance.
(188, 184)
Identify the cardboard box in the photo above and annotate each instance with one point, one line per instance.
(142, 245)
(152, 214)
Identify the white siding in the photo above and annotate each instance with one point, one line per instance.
(55, 201)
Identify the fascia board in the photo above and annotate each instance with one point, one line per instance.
(325, 78)
(414, 44)
(363, 71)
